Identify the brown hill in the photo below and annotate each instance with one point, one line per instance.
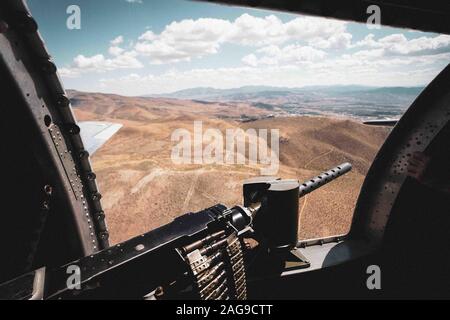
(143, 189)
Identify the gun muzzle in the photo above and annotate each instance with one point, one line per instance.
(323, 178)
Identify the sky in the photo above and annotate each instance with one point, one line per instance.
(141, 47)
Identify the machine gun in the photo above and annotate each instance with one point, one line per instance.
(203, 255)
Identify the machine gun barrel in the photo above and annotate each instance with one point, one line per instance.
(323, 178)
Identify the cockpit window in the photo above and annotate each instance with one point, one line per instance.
(202, 97)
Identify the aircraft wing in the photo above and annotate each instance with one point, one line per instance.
(96, 133)
(388, 123)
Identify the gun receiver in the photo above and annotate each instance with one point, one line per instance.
(277, 221)
(197, 256)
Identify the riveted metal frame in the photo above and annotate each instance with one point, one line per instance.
(25, 56)
(415, 131)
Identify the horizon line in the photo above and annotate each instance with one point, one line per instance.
(231, 88)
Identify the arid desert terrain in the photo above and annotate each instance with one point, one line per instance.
(143, 189)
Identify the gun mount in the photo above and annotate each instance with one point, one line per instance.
(202, 255)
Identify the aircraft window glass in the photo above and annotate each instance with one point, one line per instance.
(165, 90)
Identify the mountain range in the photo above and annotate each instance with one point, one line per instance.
(354, 101)
(210, 93)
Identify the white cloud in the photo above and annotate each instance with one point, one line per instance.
(172, 80)
(148, 36)
(184, 40)
(255, 31)
(98, 63)
(289, 55)
(134, 1)
(319, 32)
(188, 39)
(119, 59)
(68, 72)
(251, 60)
(293, 53)
(349, 69)
(115, 51)
(116, 41)
(337, 41)
(398, 44)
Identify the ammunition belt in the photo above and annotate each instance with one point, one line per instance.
(236, 257)
(218, 267)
